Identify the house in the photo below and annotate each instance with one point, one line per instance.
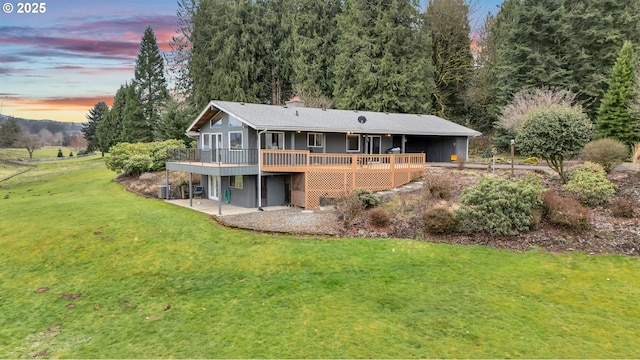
(256, 155)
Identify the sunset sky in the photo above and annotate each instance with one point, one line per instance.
(57, 65)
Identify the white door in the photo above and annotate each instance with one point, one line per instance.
(216, 146)
(213, 188)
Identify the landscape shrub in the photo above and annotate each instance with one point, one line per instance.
(121, 154)
(437, 185)
(60, 154)
(137, 164)
(623, 208)
(606, 152)
(565, 212)
(379, 217)
(349, 208)
(439, 220)
(589, 184)
(367, 198)
(499, 206)
(531, 161)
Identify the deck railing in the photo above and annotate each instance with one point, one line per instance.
(304, 160)
(223, 156)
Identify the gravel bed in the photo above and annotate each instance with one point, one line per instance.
(290, 221)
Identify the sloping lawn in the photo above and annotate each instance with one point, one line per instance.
(89, 270)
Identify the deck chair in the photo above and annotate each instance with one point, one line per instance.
(198, 191)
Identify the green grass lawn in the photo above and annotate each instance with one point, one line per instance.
(233, 294)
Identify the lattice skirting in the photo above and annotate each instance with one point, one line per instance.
(332, 184)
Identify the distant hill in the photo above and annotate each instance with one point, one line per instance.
(35, 126)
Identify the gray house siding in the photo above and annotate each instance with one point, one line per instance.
(437, 148)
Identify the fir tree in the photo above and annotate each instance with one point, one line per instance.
(10, 133)
(135, 128)
(226, 61)
(452, 59)
(110, 129)
(383, 60)
(149, 80)
(615, 120)
(90, 128)
(314, 37)
(174, 121)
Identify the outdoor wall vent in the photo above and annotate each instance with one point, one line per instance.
(362, 119)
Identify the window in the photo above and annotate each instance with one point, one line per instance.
(274, 140)
(234, 122)
(314, 140)
(353, 143)
(205, 140)
(235, 140)
(236, 181)
(216, 125)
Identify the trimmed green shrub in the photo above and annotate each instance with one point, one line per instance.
(439, 220)
(499, 206)
(121, 154)
(60, 154)
(367, 198)
(565, 212)
(137, 164)
(606, 152)
(623, 208)
(589, 184)
(379, 217)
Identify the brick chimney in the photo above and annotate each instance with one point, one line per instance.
(295, 102)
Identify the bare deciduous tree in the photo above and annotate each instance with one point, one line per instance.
(524, 102)
(30, 142)
(78, 142)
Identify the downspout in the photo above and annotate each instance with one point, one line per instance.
(260, 170)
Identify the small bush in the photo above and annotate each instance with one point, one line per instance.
(379, 218)
(531, 161)
(623, 208)
(137, 164)
(565, 212)
(437, 185)
(589, 184)
(70, 153)
(60, 154)
(606, 152)
(439, 220)
(499, 206)
(349, 208)
(367, 198)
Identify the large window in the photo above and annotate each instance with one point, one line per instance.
(235, 140)
(236, 181)
(234, 122)
(353, 143)
(314, 140)
(217, 124)
(274, 140)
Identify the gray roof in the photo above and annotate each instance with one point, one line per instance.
(273, 117)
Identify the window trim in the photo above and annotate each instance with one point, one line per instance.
(357, 136)
(315, 137)
(241, 140)
(233, 182)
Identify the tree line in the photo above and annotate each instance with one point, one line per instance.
(380, 55)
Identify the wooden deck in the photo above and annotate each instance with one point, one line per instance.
(304, 160)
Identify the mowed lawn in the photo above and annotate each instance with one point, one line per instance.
(130, 277)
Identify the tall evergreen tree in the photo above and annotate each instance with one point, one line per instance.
(110, 129)
(175, 119)
(615, 120)
(135, 128)
(452, 58)
(314, 35)
(276, 46)
(149, 79)
(538, 49)
(599, 29)
(226, 62)
(383, 60)
(90, 128)
(10, 133)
